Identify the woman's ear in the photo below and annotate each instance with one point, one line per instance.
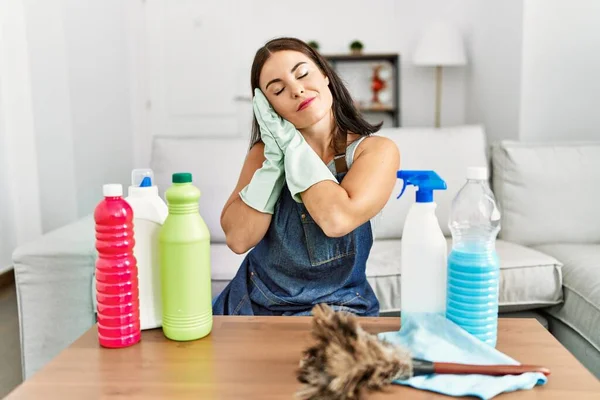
(327, 80)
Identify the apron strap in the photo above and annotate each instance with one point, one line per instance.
(340, 144)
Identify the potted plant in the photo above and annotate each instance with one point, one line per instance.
(356, 47)
(314, 44)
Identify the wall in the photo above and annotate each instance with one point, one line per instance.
(99, 85)
(494, 72)
(80, 84)
(560, 91)
(52, 112)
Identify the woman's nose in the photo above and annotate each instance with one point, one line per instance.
(297, 90)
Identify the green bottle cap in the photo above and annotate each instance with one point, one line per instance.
(182, 177)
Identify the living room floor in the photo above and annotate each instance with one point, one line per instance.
(10, 353)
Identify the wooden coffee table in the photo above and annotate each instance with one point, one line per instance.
(256, 358)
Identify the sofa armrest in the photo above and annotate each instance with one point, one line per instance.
(54, 276)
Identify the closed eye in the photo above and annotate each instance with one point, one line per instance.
(300, 77)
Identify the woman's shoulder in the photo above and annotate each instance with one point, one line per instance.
(375, 143)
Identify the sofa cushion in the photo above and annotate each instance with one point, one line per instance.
(215, 165)
(448, 151)
(581, 281)
(528, 279)
(547, 192)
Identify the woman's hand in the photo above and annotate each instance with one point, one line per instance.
(271, 124)
(263, 191)
(303, 167)
(247, 214)
(364, 191)
(245, 226)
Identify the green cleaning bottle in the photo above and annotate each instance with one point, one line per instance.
(185, 264)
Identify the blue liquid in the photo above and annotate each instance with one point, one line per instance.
(472, 300)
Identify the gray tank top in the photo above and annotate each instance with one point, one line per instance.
(350, 150)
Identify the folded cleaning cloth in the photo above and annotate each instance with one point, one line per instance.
(434, 338)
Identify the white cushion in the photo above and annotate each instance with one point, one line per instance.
(224, 264)
(215, 165)
(528, 278)
(548, 193)
(447, 151)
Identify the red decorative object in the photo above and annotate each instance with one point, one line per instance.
(377, 84)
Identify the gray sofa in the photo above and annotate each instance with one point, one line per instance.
(548, 198)
(549, 244)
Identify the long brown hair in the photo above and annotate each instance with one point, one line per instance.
(347, 117)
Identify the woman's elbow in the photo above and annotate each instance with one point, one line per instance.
(237, 245)
(236, 242)
(336, 225)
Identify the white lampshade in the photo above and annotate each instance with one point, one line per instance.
(440, 44)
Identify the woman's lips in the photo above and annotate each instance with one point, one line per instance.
(305, 103)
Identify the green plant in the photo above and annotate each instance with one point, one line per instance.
(356, 45)
(314, 44)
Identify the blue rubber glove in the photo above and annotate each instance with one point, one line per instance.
(303, 167)
(265, 186)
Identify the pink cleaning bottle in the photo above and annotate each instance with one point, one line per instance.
(117, 291)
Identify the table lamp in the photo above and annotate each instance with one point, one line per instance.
(440, 45)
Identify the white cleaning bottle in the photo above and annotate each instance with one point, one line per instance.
(149, 214)
(424, 250)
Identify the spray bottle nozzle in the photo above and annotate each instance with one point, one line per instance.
(425, 181)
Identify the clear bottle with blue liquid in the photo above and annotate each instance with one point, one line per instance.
(473, 265)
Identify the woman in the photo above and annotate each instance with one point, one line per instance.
(312, 180)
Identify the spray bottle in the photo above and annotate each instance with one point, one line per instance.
(424, 250)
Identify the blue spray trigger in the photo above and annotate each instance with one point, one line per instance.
(403, 185)
(146, 182)
(425, 181)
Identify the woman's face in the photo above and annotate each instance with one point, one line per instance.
(296, 88)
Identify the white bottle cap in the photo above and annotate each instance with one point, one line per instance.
(112, 190)
(477, 173)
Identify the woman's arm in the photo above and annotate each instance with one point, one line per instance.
(244, 226)
(340, 208)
